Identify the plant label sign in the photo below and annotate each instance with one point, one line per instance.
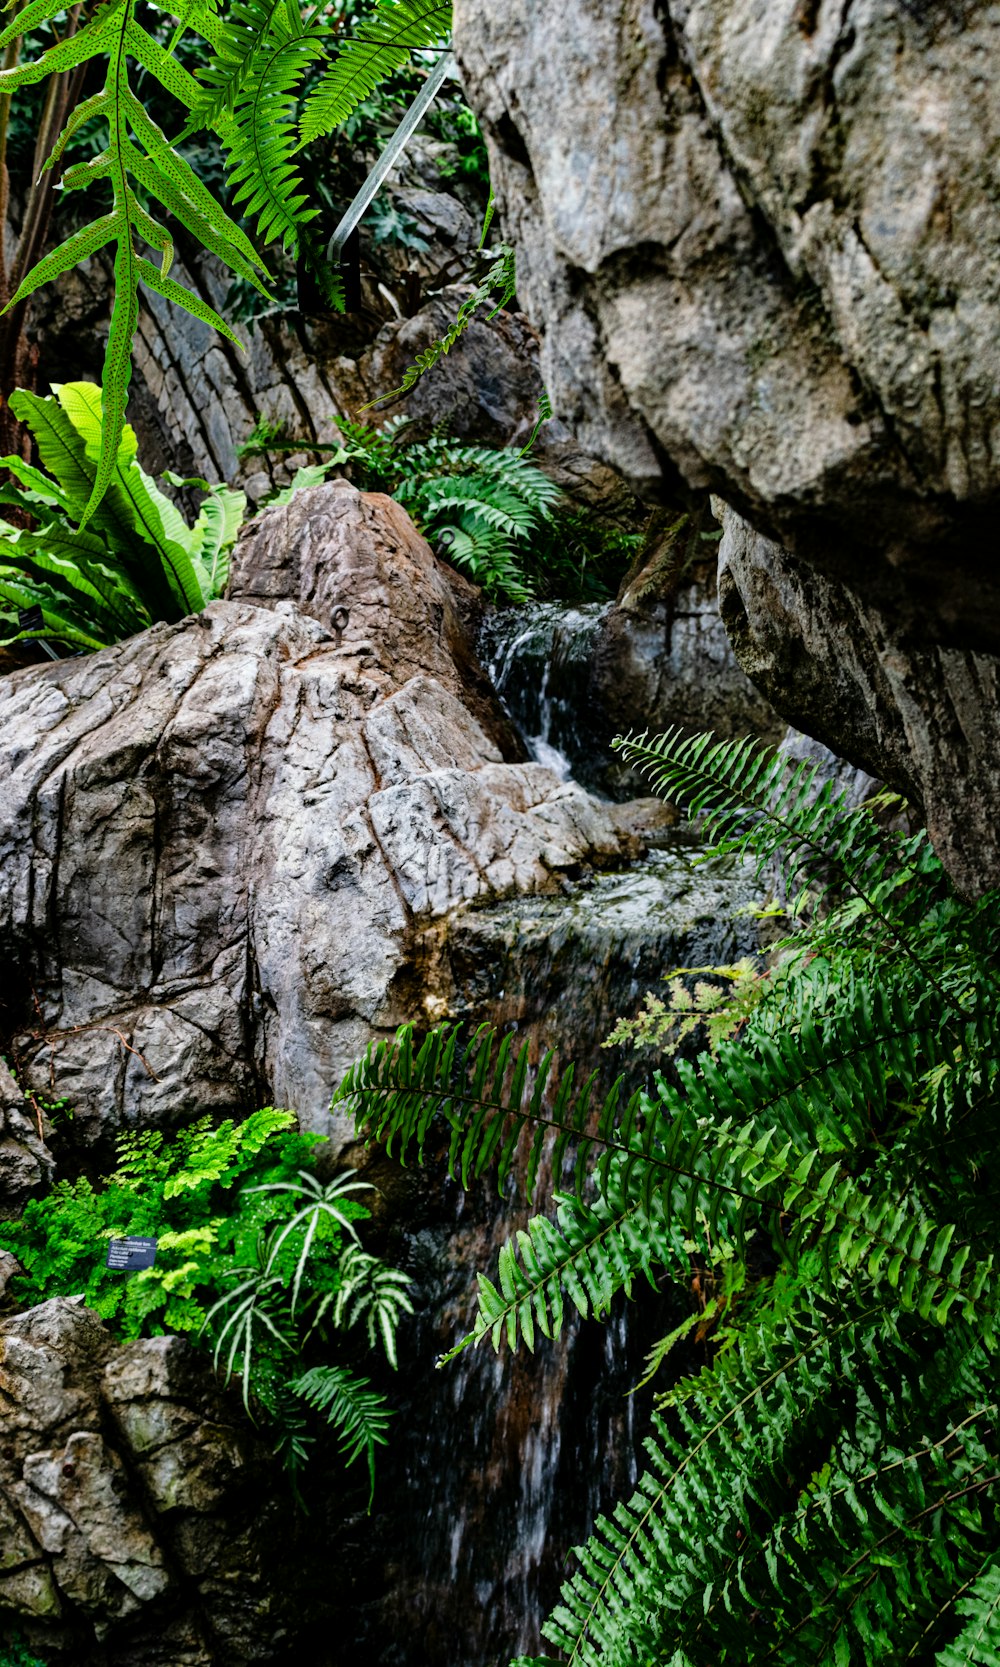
(131, 1255)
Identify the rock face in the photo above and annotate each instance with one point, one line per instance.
(764, 242)
(130, 1513)
(219, 839)
(26, 1163)
(575, 677)
(923, 717)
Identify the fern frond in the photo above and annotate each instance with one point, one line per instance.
(487, 1097)
(357, 1412)
(261, 135)
(136, 150)
(766, 1519)
(978, 1644)
(381, 45)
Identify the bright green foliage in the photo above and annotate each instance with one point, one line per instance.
(261, 54)
(381, 44)
(826, 1489)
(137, 561)
(721, 999)
(16, 1654)
(140, 166)
(495, 290)
(256, 1257)
(482, 506)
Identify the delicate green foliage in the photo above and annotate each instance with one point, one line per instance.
(718, 1004)
(17, 1654)
(978, 1644)
(274, 49)
(137, 163)
(826, 1488)
(496, 289)
(483, 507)
(381, 44)
(137, 561)
(255, 1254)
(263, 55)
(357, 1412)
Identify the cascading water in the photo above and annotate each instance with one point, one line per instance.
(499, 1464)
(537, 657)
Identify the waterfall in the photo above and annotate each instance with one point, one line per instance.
(538, 659)
(498, 1464)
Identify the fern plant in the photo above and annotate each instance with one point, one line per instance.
(483, 507)
(260, 54)
(138, 560)
(825, 1488)
(256, 1258)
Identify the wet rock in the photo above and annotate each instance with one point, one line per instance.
(573, 678)
(219, 838)
(26, 1163)
(922, 717)
(129, 1500)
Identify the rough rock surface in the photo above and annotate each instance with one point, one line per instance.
(573, 678)
(764, 244)
(218, 838)
(923, 717)
(26, 1163)
(765, 240)
(129, 1499)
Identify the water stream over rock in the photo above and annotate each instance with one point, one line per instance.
(500, 1464)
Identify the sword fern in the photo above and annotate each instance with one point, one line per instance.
(826, 1488)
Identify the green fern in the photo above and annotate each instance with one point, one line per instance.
(826, 1489)
(357, 1412)
(381, 45)
(137, 561)
(136, 156)
(482, 506)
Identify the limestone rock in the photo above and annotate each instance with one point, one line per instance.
(763, 244)
(128, 1500)
(924, 718)
(220, 838)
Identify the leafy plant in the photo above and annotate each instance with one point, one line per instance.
(138, 560)
(482, 506)
(261, 54)
(16, 1654)
(256, 1257)
(825, 1488)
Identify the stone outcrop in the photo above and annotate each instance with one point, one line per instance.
(218, 839)
(130, 1508)
(764, 245)
(26, 1163)
(765, 242)
(923, 717)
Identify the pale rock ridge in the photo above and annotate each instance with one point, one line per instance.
(219, 840)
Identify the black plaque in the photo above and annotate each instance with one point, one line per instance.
(131, 1255)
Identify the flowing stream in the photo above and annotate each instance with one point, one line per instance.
(499, 1464)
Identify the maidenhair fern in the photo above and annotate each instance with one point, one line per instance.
(826, 1488)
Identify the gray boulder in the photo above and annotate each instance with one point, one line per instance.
(923, 717)
(25, 1160)
(764, 245)
(220, 840)
(130, 1516)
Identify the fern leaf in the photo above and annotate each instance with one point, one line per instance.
(978, 1644)
(381, 45)
(261, 134)
(357, 1412)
